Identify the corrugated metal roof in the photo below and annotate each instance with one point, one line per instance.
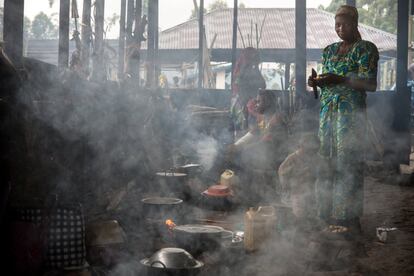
(278, 33)
(278, 30)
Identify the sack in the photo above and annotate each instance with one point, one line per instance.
(64, 230)
(26, 250)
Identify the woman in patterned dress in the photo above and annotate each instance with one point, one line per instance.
(349, 70)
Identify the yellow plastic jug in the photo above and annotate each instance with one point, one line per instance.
(259, 225)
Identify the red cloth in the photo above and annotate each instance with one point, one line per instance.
(248, 57)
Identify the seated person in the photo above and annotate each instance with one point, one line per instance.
(262, 147)
(297, 175)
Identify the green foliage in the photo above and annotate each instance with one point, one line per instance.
(217, 5)
(194, 13)
(381, 14)
(43, 27)
(27, 26)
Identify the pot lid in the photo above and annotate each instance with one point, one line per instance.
(199, 229)
(191, 165)
(218, 191)
(172, 258)
(171, 174)
(161, 200)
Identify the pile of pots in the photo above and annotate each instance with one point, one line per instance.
(172, 261)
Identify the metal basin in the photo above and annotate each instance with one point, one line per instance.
(172, 258)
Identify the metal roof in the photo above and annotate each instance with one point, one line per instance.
(278, 30)
(278, 35)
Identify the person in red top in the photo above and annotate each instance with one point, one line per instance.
(247, 80)
(263, 145)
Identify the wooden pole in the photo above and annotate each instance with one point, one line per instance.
(13, 30)
(64, 16)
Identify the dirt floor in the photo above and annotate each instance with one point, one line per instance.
(387, 203)
(392, 206)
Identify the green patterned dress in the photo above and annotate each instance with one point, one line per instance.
(342, 131)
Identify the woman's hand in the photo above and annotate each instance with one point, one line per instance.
(329, 79)
(312, 81)
(326, 80)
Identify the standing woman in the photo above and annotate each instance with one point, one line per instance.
(349, 70)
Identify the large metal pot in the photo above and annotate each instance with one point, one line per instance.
(172, 261)
(198, 238)
(161, 208)
(172, 183)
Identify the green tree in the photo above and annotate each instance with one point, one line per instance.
(43, 27)
(381, 14)
(27, 26)
(217, 5)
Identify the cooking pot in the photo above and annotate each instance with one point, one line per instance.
(217, 197)
(161, 208)
(172, 261)
(197, 238)
(172, 183)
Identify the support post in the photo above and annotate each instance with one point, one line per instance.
(138, 27)
(403, 95)
(152, 42)
(99, 71)
(64, 16)
(13, 30)
(86, 34)
(129, 21)
(121, 42)
(200, 44)
(300, 41)
(157, 70)
(234, 41)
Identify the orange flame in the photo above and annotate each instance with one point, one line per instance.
(170, 223)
